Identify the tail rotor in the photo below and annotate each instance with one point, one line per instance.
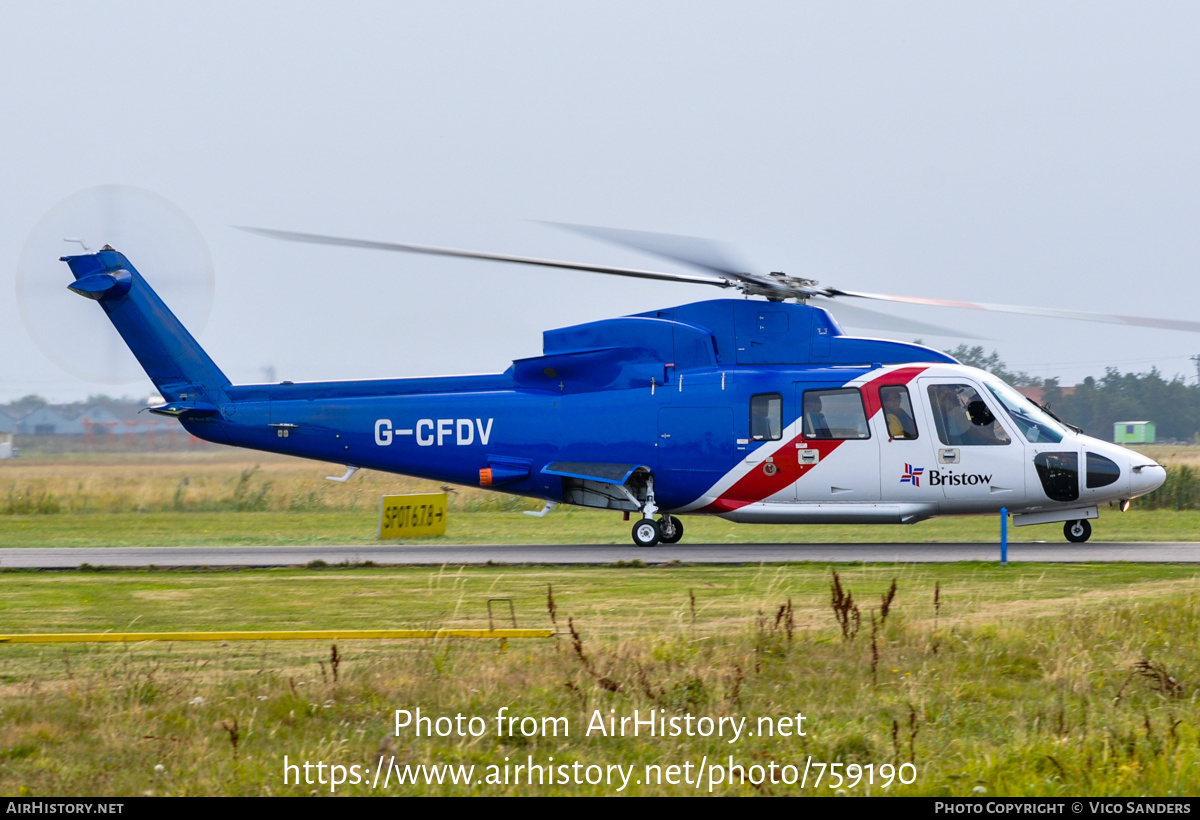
(169, 248)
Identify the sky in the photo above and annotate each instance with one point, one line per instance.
(1019, 153)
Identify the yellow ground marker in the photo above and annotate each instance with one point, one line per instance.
(502, 635)
(412, 516)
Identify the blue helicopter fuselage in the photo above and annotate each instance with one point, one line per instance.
(707, 408)
(663, 390)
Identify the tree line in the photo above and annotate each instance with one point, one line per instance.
(1097, 404)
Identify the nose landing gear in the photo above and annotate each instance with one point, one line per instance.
(1077, 531)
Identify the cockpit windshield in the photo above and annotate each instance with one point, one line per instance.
(1035, 424)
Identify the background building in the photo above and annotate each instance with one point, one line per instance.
(1133, 432)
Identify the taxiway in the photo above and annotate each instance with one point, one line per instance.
(69, 558)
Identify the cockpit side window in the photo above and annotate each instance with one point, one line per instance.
(766, 417)
(1033, 422)
(897, 411)
(962, 417)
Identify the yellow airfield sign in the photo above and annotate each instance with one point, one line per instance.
(412, 516)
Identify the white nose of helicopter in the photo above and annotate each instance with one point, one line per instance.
(1146, 476)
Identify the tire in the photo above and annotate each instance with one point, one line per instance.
(1077, 531)
(670, 522)
(646, 533)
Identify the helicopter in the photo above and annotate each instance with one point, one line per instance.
(754, 410)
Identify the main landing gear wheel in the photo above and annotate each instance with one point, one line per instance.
(646, 533)
(1077, 531)
(670, 529)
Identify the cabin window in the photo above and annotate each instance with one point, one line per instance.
(766, 417)
(834, 414)
(897, 411)
(963, 418)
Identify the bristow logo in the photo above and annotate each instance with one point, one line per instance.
(936, 478)
(912, 475)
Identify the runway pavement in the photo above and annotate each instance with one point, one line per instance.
(68, 558)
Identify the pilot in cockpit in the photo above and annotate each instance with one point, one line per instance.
(899, 423)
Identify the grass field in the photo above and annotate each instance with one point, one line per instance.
(1019, 680)
(563, 526)
(1060, 680)
(232, 497)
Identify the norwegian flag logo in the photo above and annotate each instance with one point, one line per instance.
(912, 475)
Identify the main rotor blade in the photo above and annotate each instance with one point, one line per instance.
(318, 239)
(1054, 313)
(873, 320)
(705, 254)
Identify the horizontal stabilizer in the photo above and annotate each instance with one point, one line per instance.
(176, 409)
(106, 285)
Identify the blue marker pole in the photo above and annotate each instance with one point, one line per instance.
(1004, 536)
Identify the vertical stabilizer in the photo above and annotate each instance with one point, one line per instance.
(189, 381)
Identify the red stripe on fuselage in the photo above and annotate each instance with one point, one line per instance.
(757, 485)
(901, 376)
